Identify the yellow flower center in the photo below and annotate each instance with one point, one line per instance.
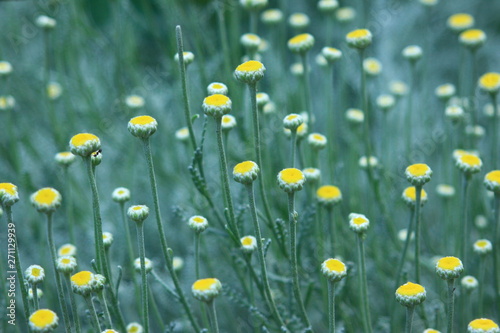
(46, 196)
(250, 66)
(226, 120)
(137, 208)
(484, 324)
(328, 192)
(318, 137)
(65, 261)
(291, 175)
(244, 167)
(35, 272)
(473, 34)
(490, 80)
(459, 20)
(217, 100)
(449, 263)
(4, 66)
(65, 154)
(471, 160)
(142, 120)
(133, 329)
(216, 86)
(198, 219)
(104, 236)
(332, 49)
(359, 220)
(82, 138)
(8, 188)
(411, 193)
(65, 250)
(418, 170)
(204, 284)
(335, 265)
(299, 39)
(247, 241)
(493, 176)
(481, 243)
(291, 117)
(252, 37)
(410, 289)
(42, 318)
(82, 278)
(359, 33)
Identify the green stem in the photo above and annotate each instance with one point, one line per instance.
(496, 272)
(197, 254)
(331, 230)
(156, 311)
(463, 239)
(293, 140)
(130, 248)
(34, 289)
(482, 270)
(307, 89)
(69, 207)
(60, 294)
(472, 101)
(223, 36)
(410, 311)
(167, 253)
(74, 309)
(293, 254)
(405, 250)
(366, 107)
(364, 286)
(213, 317)
(494, 143)
(331, 306)
(254, 16)
(409, 124)
(418, 192)
(260, 248)
(449, 308)
(93, 314)
(104, 305)
(144, 281)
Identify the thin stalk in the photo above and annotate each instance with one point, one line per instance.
(254, 19)
(366, 106)
(331, 306)
(450, 305)
(60, 294)
(167, 253)
(307, 89)
(74, 309)
(221, 21)
(293, 145)
(331, 230)
(156, 311)
(93, 314)
(130, 248)
(482, 271)
(409, 110)
(364, 286)
(410, 311)
(34, 289)
(144, 281)
(197, 254)
(494, 144)
(405, 249)
(472, 101)
(418, 192)
(213, 317)
(260, 248)
(293, 254)
(464, 236)
(104, 305)
(68, 206)
(496, 272)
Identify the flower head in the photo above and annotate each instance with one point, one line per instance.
(34, 274)
(148, 265)
(187, 56)
(446, 191)
(54, 90)
(430, 330)
(248, 244)
(82, 283)
(445, 91)
(345, 14)
(490, 82)
(253, 5)
(215, 88)
(492, 181)
(198, 223)
(331, 54)
(334, 269)
(386, 102)
(43, 320)
(96, 158)
(262, 99)
(107, 239)
(5, 68)
(418, 174)
(8, 194)
(449, 268)
(355, 116)
(138, 213)
(7, 102)
(135, 328)
(460, 22)
(228, 122)
(301, 43)
(483, 325)
(363, 162)
(472, 38)
(372, 66)
(299, 21)
(250, 72)
(329, 195)
(410, 196)
(182, 134)
(45, 22)
(46, 200)
(317, 141)
(327, 6)
(482, 246)
(121, 194)
(217, 105)
(412, 53)
(410, 294)
(271, 16)
(142, 126)
(206, 290)
(246, 172)
(177, 263)
(312, 174)
(291, 180)
(66, 264)
(358, 223)
(359, 39)
(250, 41)
(134, 101)
(66, 250)
(398, 88)
(469, 163)
(454, 112)
(84, 144)
(65, 158)
(469, 283)
(293, 121)
(39, 293)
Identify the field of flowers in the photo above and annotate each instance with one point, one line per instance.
(249, 166)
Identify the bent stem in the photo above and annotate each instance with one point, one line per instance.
(449, 307)
(144, 281)
(364, 285)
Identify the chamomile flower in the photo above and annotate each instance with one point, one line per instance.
(34, 274)
(449, 268)
(66, 250)
(246, 172)
(469, 283)
(250, 72)
(483, 325)
(472, 38)
(469, 163)
(206, 290)
(490, 82)
(65, 158)
(148, 265)
(358, 223)
(412, 53)
(109, 331)
(107, 239)
(430, 330)
(54, 90)
(46, 200)
(445, 190)
(317, 141)
(454, 113)
(398, 88)
(142, 126)
(386, 102)
(291, 180)
(217, 88)
(418, 174)
(66, 264)
(293, 121)
(355, 116)
(250, 42)
(252, 5)
(492, 181)
(7, 102)
(481, 222)
(82, 283)
(271, 16)
(262, 99)
(182, 134)
(177, 263)
(39, 293)
(372, 66)
(460, 22)
(138, 213)
(334, 269)
(121, 194)
(445, 91)
(198, 223)
(187, 56)
(345, 14)
(269, 108)
(134, 102)
(312, 174)
(302, 129)
(45, 22)
(363, 162)
(5, 68)
(359, 39)
(327, 6)
(331, 54)
(43, 320)
(482, 246)
(228, 122)
(135, 328)
(84, 144)
(410, 294)
(248, 244)
(99, 283)
(457, 153)
(217, 105)
(301, 43)
(299, 21)
(410, 196)
(328, 195)
(96, 158)
(8, 194)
